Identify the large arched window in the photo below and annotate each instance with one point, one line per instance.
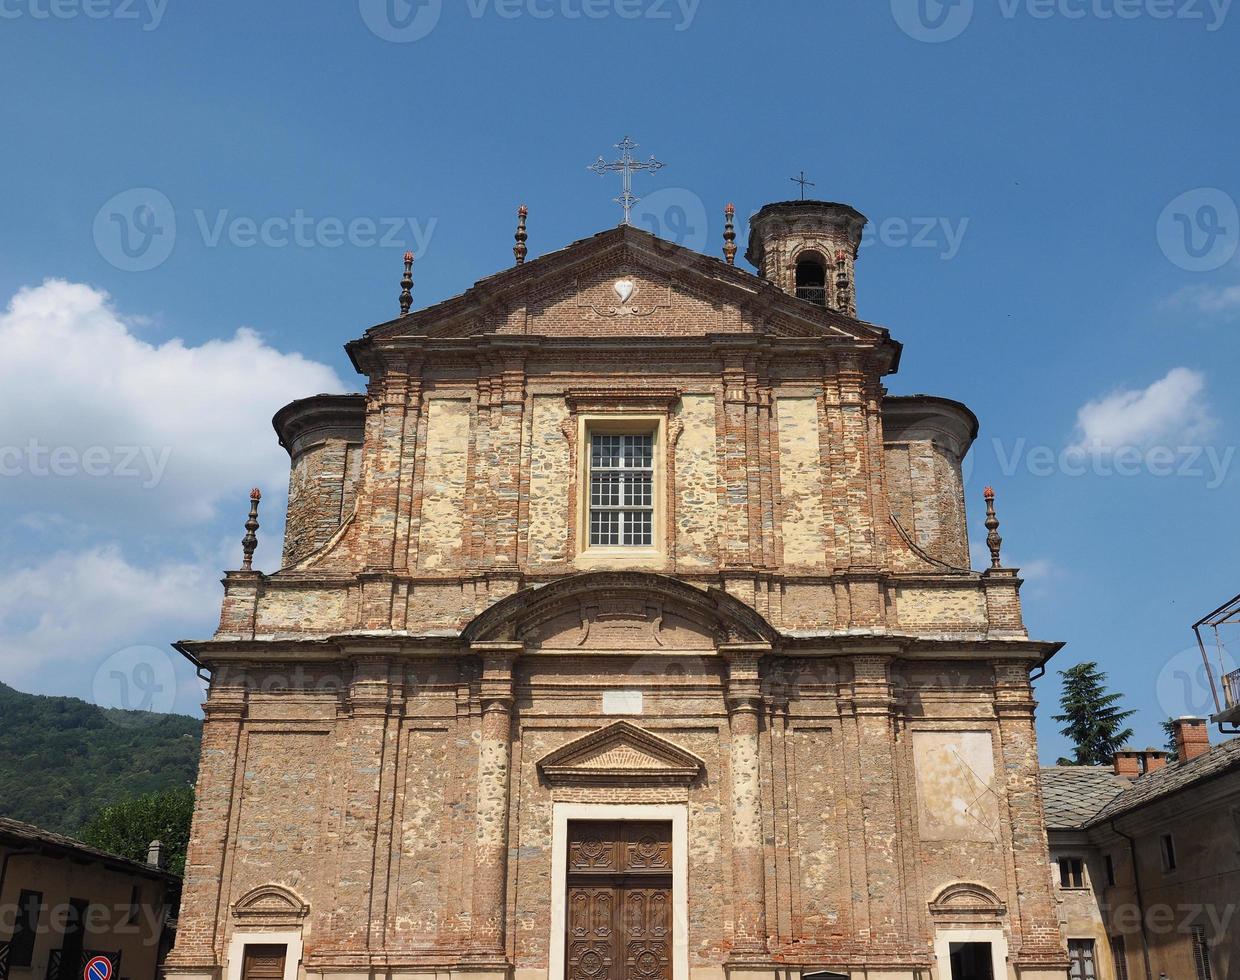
(812, 278)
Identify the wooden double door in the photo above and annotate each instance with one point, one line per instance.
(619, 900)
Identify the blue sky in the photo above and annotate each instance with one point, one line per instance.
(1052, 186)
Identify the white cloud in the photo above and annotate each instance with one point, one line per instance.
(115, 457)
(94, 417)
(1038, 569)
(1212, 300)
(62, 617)
(1170, 412)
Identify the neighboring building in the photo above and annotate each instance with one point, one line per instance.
(625, 629)
(1146, 861)
(63, 903)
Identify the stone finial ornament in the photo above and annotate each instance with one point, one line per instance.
(520, 250)
(406, 285)
(250, 541)
(729, 234)
(993, 541)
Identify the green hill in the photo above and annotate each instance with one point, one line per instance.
(62, 759)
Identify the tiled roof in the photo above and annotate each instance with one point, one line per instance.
(1170, 779)
(1072, 795)
(25, 835)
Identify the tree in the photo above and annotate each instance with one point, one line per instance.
(1171, 746)
(62, 760)
(1093, 720)
(128, 828)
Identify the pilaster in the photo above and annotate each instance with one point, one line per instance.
(744, 703)
(1036, 941)
(734, 513)
(239, 611)
(873, 705)
(386, 409)
(363, 755)
(199, 945)
(487, 938)
(1003, 613)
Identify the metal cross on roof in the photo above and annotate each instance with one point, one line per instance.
(627, 165)
(803, 182)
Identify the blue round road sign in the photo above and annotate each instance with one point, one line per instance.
(99, 968)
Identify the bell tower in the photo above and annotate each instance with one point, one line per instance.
(809, 249)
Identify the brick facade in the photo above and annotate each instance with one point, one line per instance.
(804, 625)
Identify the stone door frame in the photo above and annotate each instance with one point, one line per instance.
(677, 814)
(291, 938)
(943, 939)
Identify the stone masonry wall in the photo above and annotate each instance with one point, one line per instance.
(829, 827)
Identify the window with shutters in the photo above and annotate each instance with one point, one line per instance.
(1071, 872)
(1081, 958)
(25, 928)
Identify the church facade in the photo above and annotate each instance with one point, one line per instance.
(626, 630)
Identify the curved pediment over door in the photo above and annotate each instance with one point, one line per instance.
(622, 612)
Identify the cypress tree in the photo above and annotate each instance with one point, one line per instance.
(1092, 718)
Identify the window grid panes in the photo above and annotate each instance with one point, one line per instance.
(621, 490)
(1081, 956)
(1201, 953)
(1120, 954)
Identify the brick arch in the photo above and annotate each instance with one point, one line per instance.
(271, 904)
(725, 616)
(967, 900)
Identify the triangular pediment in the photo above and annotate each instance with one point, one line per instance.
(621, 753)
(624, 282)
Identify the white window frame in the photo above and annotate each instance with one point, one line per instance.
(653, 555)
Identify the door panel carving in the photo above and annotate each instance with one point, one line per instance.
(619, 901)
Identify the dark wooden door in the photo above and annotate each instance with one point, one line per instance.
(619, 901)
(263, 962)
